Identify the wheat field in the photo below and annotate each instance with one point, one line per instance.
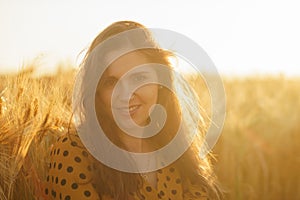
(257, 155)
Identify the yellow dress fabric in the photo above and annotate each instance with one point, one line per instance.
(71, 177)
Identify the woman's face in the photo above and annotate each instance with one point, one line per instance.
(126, 103)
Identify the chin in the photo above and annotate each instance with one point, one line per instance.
(131, 125)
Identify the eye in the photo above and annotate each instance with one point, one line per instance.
(109, 82)
(139, 78)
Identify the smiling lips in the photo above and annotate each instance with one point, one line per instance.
(131, 110)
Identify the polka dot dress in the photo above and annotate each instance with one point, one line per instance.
(71, 177)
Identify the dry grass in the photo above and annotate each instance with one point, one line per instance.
(258, 154)
(33, 112)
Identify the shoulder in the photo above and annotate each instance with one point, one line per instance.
(70, 173)
(199, 192)
(177, 185)
(68, 151)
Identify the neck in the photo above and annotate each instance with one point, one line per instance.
(133, 144)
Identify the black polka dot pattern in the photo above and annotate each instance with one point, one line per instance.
(71, 175)
(149, 189)
(74, 186)
(87, 193)
(70, 171)
(63, 182)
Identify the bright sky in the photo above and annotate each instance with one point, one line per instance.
(241, 37)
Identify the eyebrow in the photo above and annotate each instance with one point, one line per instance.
(102, 79)
(129, 74)
(138, 73)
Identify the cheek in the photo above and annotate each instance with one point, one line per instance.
(103, 100)
(151, 94)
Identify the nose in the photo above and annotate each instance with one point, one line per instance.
(124, 91)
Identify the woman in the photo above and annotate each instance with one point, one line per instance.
(125, 99)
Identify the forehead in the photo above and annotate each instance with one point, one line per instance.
(126, 63)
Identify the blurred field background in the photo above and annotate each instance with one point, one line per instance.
(257, 155)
